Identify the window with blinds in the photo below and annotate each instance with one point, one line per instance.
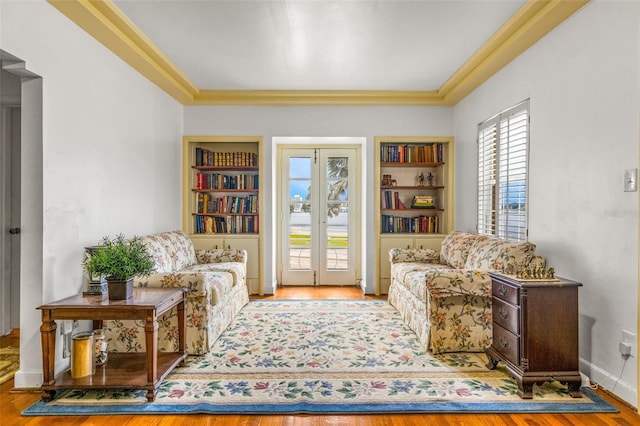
(503, 143)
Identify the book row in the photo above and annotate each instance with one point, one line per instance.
(391, 200)
(207, 158)
(226, 225)
(405, 225)
(220, 181)
(228, 204)
(428, 153)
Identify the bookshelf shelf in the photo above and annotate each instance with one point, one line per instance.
(222, 196)
(411, 173)
(411, 187)
(409, 209)
(226, 168)
(410, 164)
(242, 191)
(227, 214)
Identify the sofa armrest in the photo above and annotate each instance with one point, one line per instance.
(458, 282)
(221, 255)
(397, 255)
(195, 283)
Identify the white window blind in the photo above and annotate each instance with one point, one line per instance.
(503, 143)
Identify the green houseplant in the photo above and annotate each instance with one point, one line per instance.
(119, 260)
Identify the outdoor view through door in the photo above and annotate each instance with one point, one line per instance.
(318, 211)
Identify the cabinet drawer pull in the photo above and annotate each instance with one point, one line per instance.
(504, 314)
(503, 342)
(502, 290)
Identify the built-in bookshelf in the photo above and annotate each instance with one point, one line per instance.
(226, 185)
(414, 185)
(222, 195)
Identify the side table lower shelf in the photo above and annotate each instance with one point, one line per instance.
(122, 371)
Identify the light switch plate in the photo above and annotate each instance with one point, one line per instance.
(631, 180)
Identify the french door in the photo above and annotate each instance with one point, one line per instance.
(318, 239)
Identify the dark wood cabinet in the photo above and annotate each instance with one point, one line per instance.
(535, 332)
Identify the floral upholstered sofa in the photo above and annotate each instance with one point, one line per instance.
(216, 291)
(445, 297)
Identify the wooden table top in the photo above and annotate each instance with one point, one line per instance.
(143, 297)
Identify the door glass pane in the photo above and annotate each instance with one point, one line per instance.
(337, 174)
(300, 213)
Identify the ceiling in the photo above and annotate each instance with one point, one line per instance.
(420, 52)
(319, 45)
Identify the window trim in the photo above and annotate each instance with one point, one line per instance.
(495, 214)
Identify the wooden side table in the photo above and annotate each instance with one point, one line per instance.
(130, 370)
(535, 332)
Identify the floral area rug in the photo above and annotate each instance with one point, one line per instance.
(345, 356)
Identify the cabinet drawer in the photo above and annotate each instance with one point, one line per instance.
(507, 344)
(506, 315)
(505, 292)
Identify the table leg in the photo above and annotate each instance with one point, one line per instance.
(493, 362)
(151, 395)
(182, 321)
(574, 389)
(151, 341)
(48, 338)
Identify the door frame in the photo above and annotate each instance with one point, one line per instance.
(10, 215)
(357, 143)
(319, 272)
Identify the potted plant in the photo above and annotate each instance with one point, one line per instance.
(119, 260)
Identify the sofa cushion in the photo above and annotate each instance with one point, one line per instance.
(237, 270)
(171, 251)
(162, 261)
(400, 271)
(221, 284)
(454, 248)
(499, 255)
(182, 249)
(415, 283)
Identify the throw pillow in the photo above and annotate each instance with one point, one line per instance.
(454, 249)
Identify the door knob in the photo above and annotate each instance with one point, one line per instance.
(14, 231)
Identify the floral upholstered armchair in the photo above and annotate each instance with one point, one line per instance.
(445, 297)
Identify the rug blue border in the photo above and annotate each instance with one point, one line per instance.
(599, 405)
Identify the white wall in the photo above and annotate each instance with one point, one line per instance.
(111, 155)
(318, 122)
(582, 80)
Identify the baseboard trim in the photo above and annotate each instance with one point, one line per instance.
(23, 380)
(610, 383)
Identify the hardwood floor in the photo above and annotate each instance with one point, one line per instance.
(13, 402)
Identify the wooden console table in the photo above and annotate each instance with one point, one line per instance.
(535, 332)
(130, 370)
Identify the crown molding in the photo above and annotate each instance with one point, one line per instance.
(317, 97)
(107, 24)
(528, 25)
